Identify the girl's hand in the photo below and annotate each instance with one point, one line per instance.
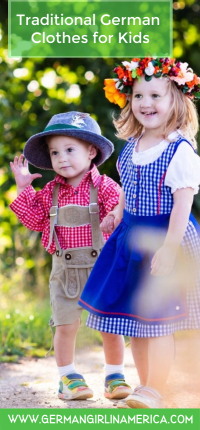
(163, 261)
(22, 175)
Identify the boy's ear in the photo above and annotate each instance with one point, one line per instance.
(92, 152)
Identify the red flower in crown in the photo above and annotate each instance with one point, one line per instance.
(119, 89)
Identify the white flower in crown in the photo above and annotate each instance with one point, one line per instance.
(130, 66)
(150, 69)
(118, 84)
(185, 75)
(78, 120)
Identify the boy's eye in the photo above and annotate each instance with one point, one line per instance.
(54, 152)
(70, 149)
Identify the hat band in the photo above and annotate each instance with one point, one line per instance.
(60, 126)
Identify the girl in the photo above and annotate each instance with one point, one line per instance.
(147, 279)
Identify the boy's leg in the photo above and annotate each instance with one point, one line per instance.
(64, 343)
(72, 385)
(115, 385)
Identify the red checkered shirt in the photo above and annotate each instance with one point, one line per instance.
(32, 208)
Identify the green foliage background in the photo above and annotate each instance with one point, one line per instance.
(31, 91)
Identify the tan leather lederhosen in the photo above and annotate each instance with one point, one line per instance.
(71, 267)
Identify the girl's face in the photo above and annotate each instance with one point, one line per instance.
(151, 102)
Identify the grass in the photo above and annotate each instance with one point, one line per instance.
(24, 331)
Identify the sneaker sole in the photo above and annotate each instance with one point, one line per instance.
(81, 395)
(135, 404)
(119, 393)
(122, 405)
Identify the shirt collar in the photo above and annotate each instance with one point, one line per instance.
(93, 174)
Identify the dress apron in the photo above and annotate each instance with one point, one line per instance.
(120, 284)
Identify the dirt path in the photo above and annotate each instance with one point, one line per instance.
(34, 383)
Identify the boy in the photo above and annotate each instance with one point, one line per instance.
(67, 211)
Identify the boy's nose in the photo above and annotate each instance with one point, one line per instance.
(62, 157)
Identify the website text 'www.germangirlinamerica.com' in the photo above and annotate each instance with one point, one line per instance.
(102, 419)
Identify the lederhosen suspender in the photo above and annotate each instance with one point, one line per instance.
(74, 216)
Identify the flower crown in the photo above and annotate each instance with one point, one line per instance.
(118, 90)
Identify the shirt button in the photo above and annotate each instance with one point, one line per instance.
(134, 196)
(136, 169)
(134, 210)
(135, 182)
(75, 192)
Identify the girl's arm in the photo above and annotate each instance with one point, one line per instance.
(111, 221)
(163, 260)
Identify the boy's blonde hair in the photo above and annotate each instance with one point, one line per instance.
(182, 115)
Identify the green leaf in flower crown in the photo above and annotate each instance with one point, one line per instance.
(158, 74)
(196, 95)
(133, 74)
(139, 78)
(148, 78)
(123, 90)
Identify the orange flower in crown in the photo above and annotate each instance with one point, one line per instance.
(118, 90)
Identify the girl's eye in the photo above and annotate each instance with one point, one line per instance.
(138, 96)
(155, 96)
(54, 153)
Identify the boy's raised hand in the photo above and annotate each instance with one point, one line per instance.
(22, 175)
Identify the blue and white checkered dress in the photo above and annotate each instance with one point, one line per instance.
(114, 293)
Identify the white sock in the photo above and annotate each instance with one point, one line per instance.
(66, 370)
(113, 368)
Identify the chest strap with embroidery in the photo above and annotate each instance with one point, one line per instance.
(75, 216)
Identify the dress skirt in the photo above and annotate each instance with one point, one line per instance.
(124, 298)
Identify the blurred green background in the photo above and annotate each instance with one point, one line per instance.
(31, 91)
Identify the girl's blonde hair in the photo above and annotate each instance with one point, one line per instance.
(182, 115)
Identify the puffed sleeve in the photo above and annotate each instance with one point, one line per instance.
(184, 169)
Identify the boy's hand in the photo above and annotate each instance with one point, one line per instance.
(107, 225)
(22, 175)
(111, 221)
(163, 261)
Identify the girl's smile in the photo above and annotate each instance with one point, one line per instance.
(151, 103)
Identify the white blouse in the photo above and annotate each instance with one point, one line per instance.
(184, 169)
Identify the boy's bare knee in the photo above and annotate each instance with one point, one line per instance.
(68, 328)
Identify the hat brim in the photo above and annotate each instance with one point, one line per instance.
(36, 153)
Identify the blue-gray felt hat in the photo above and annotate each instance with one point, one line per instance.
(76, 124)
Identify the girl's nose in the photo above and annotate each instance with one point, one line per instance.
(146, 102)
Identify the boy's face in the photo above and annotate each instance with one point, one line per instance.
(70, 157)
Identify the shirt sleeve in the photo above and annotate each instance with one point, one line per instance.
(32, 208)
(108, 195)
(184, 169)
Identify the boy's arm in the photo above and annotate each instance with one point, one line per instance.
(21, 173)
(112, 220)
(30, 207)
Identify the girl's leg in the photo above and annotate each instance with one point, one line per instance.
(160, 358)
(139, 348)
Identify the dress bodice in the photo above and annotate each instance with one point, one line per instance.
(144, 186)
